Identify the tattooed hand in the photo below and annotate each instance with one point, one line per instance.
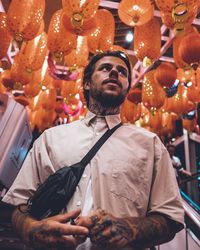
(107, 230)
(51, 233)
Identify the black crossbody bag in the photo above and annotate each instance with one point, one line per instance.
(54, 194)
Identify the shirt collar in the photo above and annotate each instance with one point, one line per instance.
(111, 120)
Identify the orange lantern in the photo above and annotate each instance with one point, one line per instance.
(103, 36)
(153, 95)
(6, 79)
(34, 86)
(59, 41)
(168, 123)
(32, 53)
(165, 74)
(5, 38)
(186, 74)
(69, 88)
(193, 92)
(25, 17)
(130, 112)
(135, 95)
(179, 103)
(135, 12)
(165, 5)
(79, 55)
(189, 49)
(80, 12)
(145, 45)
(155, 120)
(190, 125)
(49, 99)
(176, 43)
(18, 72)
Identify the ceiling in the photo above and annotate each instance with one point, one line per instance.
(121, 30)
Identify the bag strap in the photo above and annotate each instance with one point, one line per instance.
(88, 157)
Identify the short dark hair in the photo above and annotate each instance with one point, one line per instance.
(89, 69)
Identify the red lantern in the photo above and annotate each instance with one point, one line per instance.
(135, 95)
(165, 74)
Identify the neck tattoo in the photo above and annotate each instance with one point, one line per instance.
(98, 109)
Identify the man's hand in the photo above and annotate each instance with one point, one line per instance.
(50, 233)
(142, 232)
(107, 230)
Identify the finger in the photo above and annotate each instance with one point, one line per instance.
(106, 223)
(66, 216)
(66, 229)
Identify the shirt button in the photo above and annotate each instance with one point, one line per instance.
(84, 175)
(78, 203)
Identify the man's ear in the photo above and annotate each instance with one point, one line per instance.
(87, 85)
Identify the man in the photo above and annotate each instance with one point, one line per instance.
(181, 173)
(128, 194)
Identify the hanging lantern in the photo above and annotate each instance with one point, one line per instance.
(165, 74)
(135, 95)
(193, 92)
(146, 45)
(19, 74)
(32, 53)
(189, 49)
(103, 36)
(130, 112)
(176, 44)
(24, 18)
(190, 124)
(135, 12)
(153, 95)
(79, 55)
(33, 88)
(69, 88)
(5, 37)
(155, 120)
(165, 5)
(168, 123)
(6, 79)
(59, 41)
(167, 19)
(80, 13)
(186, 74)
(179, 103)
(49, 99)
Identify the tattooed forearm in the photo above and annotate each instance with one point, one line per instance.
(151, 230)
(20, 221)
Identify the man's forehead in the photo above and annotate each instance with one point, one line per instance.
(111, 60)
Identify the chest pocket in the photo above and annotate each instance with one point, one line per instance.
(127, 178)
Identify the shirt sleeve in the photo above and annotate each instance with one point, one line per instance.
(165, 195)
(35, 169)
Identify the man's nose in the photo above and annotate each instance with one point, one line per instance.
(113, 73)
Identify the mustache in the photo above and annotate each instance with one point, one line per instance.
(113, 80)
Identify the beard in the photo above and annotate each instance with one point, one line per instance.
(108, 100)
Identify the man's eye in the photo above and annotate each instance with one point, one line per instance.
(105, 68)
(123, 72)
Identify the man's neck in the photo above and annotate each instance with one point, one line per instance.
(98, 109)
